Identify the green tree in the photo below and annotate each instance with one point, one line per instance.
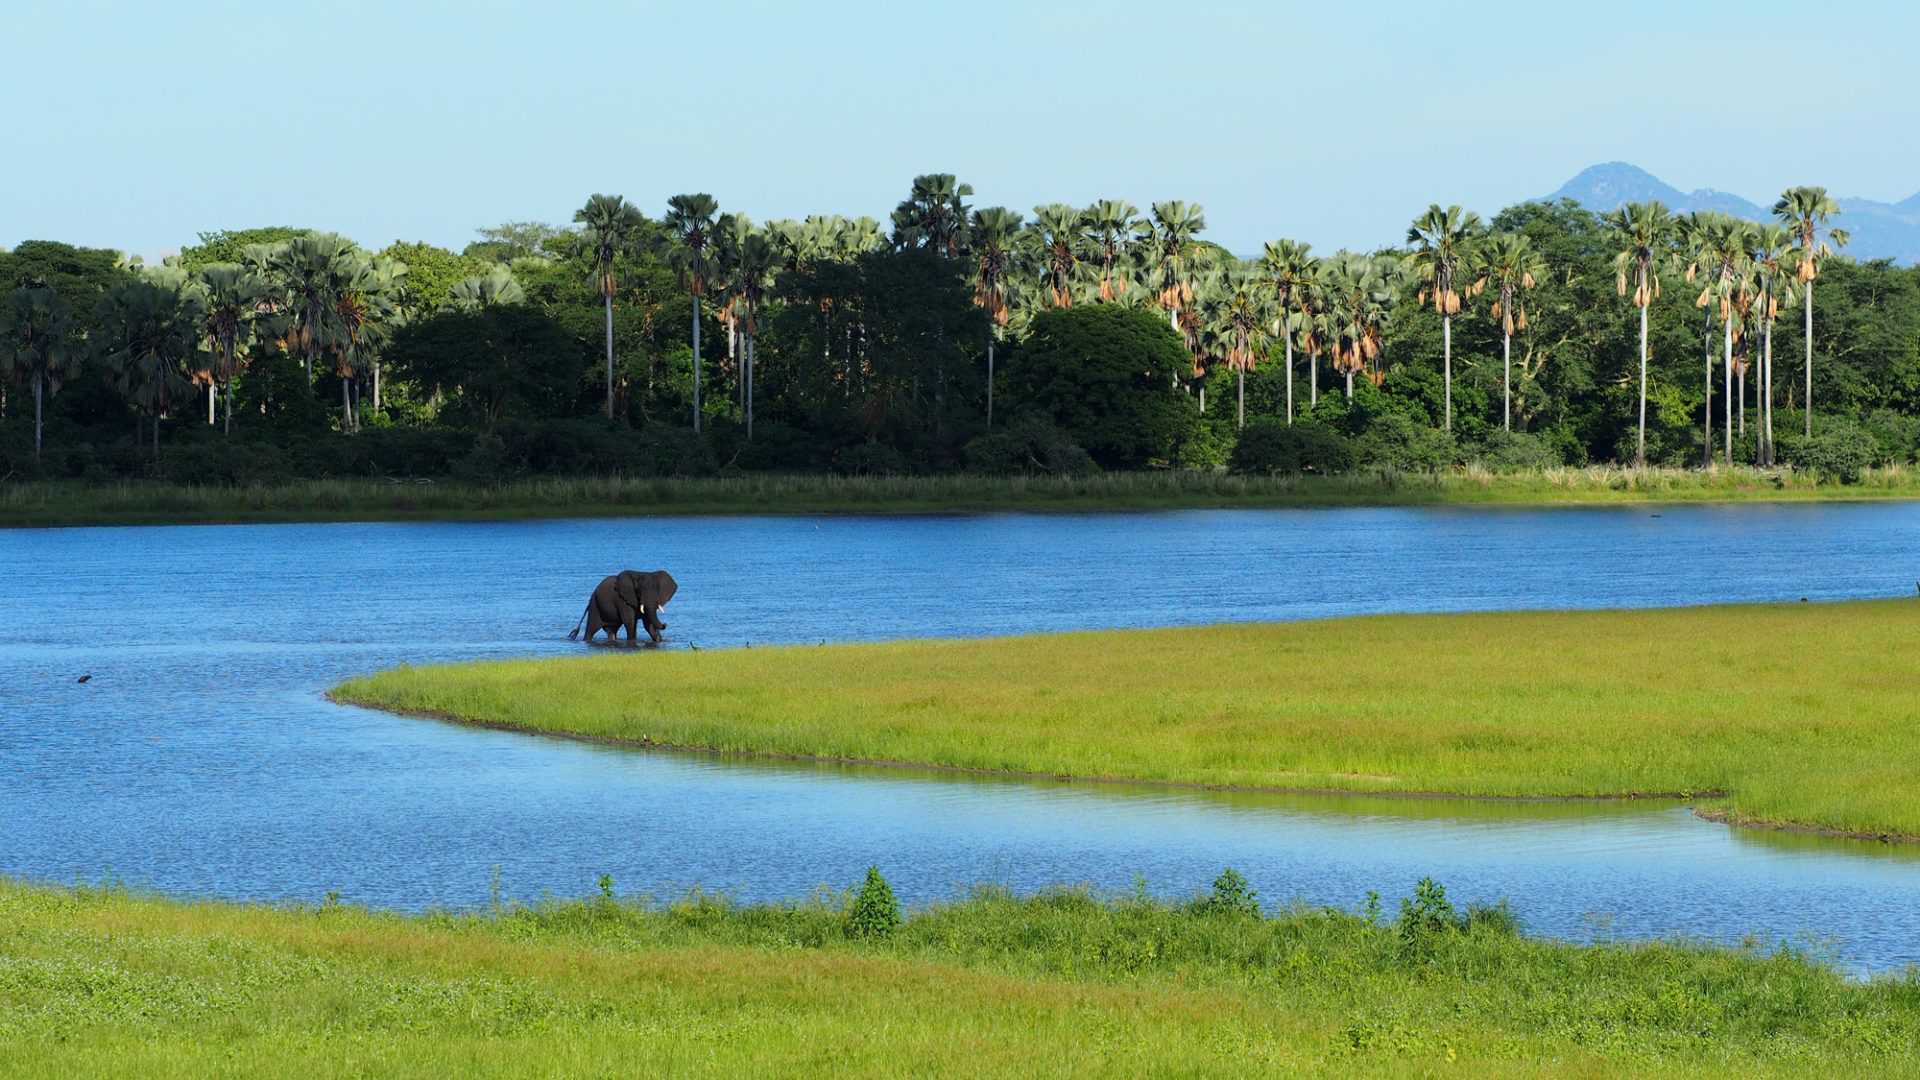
(1110, 226)
(1169, 236)
(1104, 374)
(496, 362)
(612, 228)
(1244, 313)
(230, 245)
(1289, 267)
(1446, 239)
(1774, 277)
(1510, 264)
(933, 215)
(690, 222)
(1642, 230)
(1055, 241)
(38, 346)
(231, 303)
(1718, 244)
(496, 286)
(753, 273)
(1362, 291)
(1805, 210)
(149, 339)
(994, 237)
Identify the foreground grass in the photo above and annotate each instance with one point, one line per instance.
(66, 503)
(1802, 714)
(104, 983)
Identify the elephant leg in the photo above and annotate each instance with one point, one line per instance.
(654, 625)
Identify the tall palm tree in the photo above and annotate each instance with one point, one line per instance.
(1774, 275)
(1056, 240)
(1110, 225)
(611, 227)
(1169, 235)
(231, 296)
(1642, 230)
(994, 235)
(1288, 266)
(149, 339)
(1718, 249)
(496, 286)
(753, 268)
(933, 215)
(1244, 311)
(1511, 264)
(1362, 292)
(38, 345)
(1445, 239)
(690, 221)
(1805, 211)
(366, 309)
(307, 271)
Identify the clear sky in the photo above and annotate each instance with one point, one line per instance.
(137, 125)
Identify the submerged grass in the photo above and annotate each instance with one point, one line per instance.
(69, 503)
(1785, 714)
(108, 983)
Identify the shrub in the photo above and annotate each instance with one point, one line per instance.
(1232, 895)
(1396, 441)
(875, 913)
(1517, 450)
(1104, 373)
(1897, 434)
(869, 459)
(1842, 451)
(1269, 445)
(1029, 446)
(781, 447)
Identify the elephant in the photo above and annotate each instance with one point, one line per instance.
(628, 598)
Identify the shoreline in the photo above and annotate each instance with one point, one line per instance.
(1716, 815)
(74, 504)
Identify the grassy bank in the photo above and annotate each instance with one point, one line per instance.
(1803, 714)
(132, 503)
(103, 983)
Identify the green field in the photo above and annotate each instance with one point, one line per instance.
(102, 983)
(1783, 714)
(66, 503)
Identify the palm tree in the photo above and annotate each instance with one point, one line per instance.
(1718, 248)
(496, 286)
(1288, 266)
(1642, 229)
(1446, 239)
(307, 272)
(149, 337)
(1805, 210)
(231, 298)
(1774, 276)
(995, 236)
(1110, 225)
(1244, 312)
(1056, 240)
(754, 263)
(612, 228)
(933, 215)
(690, 220)
(366, 308)
(38, 345)
(1512, 265)
(1169, 235)
(1362, 292)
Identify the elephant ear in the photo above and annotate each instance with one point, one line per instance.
(628, 587)
(659, 588)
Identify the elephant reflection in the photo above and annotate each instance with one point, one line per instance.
(628, 599)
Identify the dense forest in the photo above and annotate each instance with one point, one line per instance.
(957, 338)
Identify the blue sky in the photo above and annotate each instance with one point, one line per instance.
(137, 125)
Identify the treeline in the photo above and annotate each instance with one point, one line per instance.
(961, 338)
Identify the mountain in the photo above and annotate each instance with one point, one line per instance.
(1880, 230)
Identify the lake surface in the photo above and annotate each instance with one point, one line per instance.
(201, 759)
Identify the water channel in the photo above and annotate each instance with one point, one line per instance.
(201, 759)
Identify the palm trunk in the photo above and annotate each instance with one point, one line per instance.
(1349, 386)
(1766, 400)
(376, 386)
(346, 408)
(1506, 381)
(1288, 340)
(1741, 413)
(229, 390)
(1726, 391)
(1242, 419)
(609, 301)
(1640, 455)
(1313, 377)
(990, 382)
(1446, 327)
(749, 374)
(1706, 348)
(37, 416)
(213, 402)
(156, 436)
(696, 363)
(1809, 401)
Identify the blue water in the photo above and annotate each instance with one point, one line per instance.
(201, 758)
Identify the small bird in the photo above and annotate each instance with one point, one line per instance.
(84, 678)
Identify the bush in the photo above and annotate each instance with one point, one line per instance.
(781, 447)
(1897, 434)
(1842, 451)
(869, 459)
(1270, 445)
(1029, 446)
(875, 913)
(1232, 895)
(1517, 450)
(1104, 373)
(1398, 442)
(486, 464)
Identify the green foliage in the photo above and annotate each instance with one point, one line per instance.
(1397, 441)
(1842, 451)
(1269, 445)
(1029, 446)
(492, 363)
(1232, 895)
(1517, 450)
(432, 273)
(1103, 373)
(874, 912)
(230, 245)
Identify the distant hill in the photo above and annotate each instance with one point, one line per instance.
(1880, 230)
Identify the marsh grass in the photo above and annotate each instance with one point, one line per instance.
(102, 982)
(1801, 714)
(63, 503)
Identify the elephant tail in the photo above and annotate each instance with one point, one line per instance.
(575, 635)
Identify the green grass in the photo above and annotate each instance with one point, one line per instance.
(65, 503)
(1803, 714)
(104, 983)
